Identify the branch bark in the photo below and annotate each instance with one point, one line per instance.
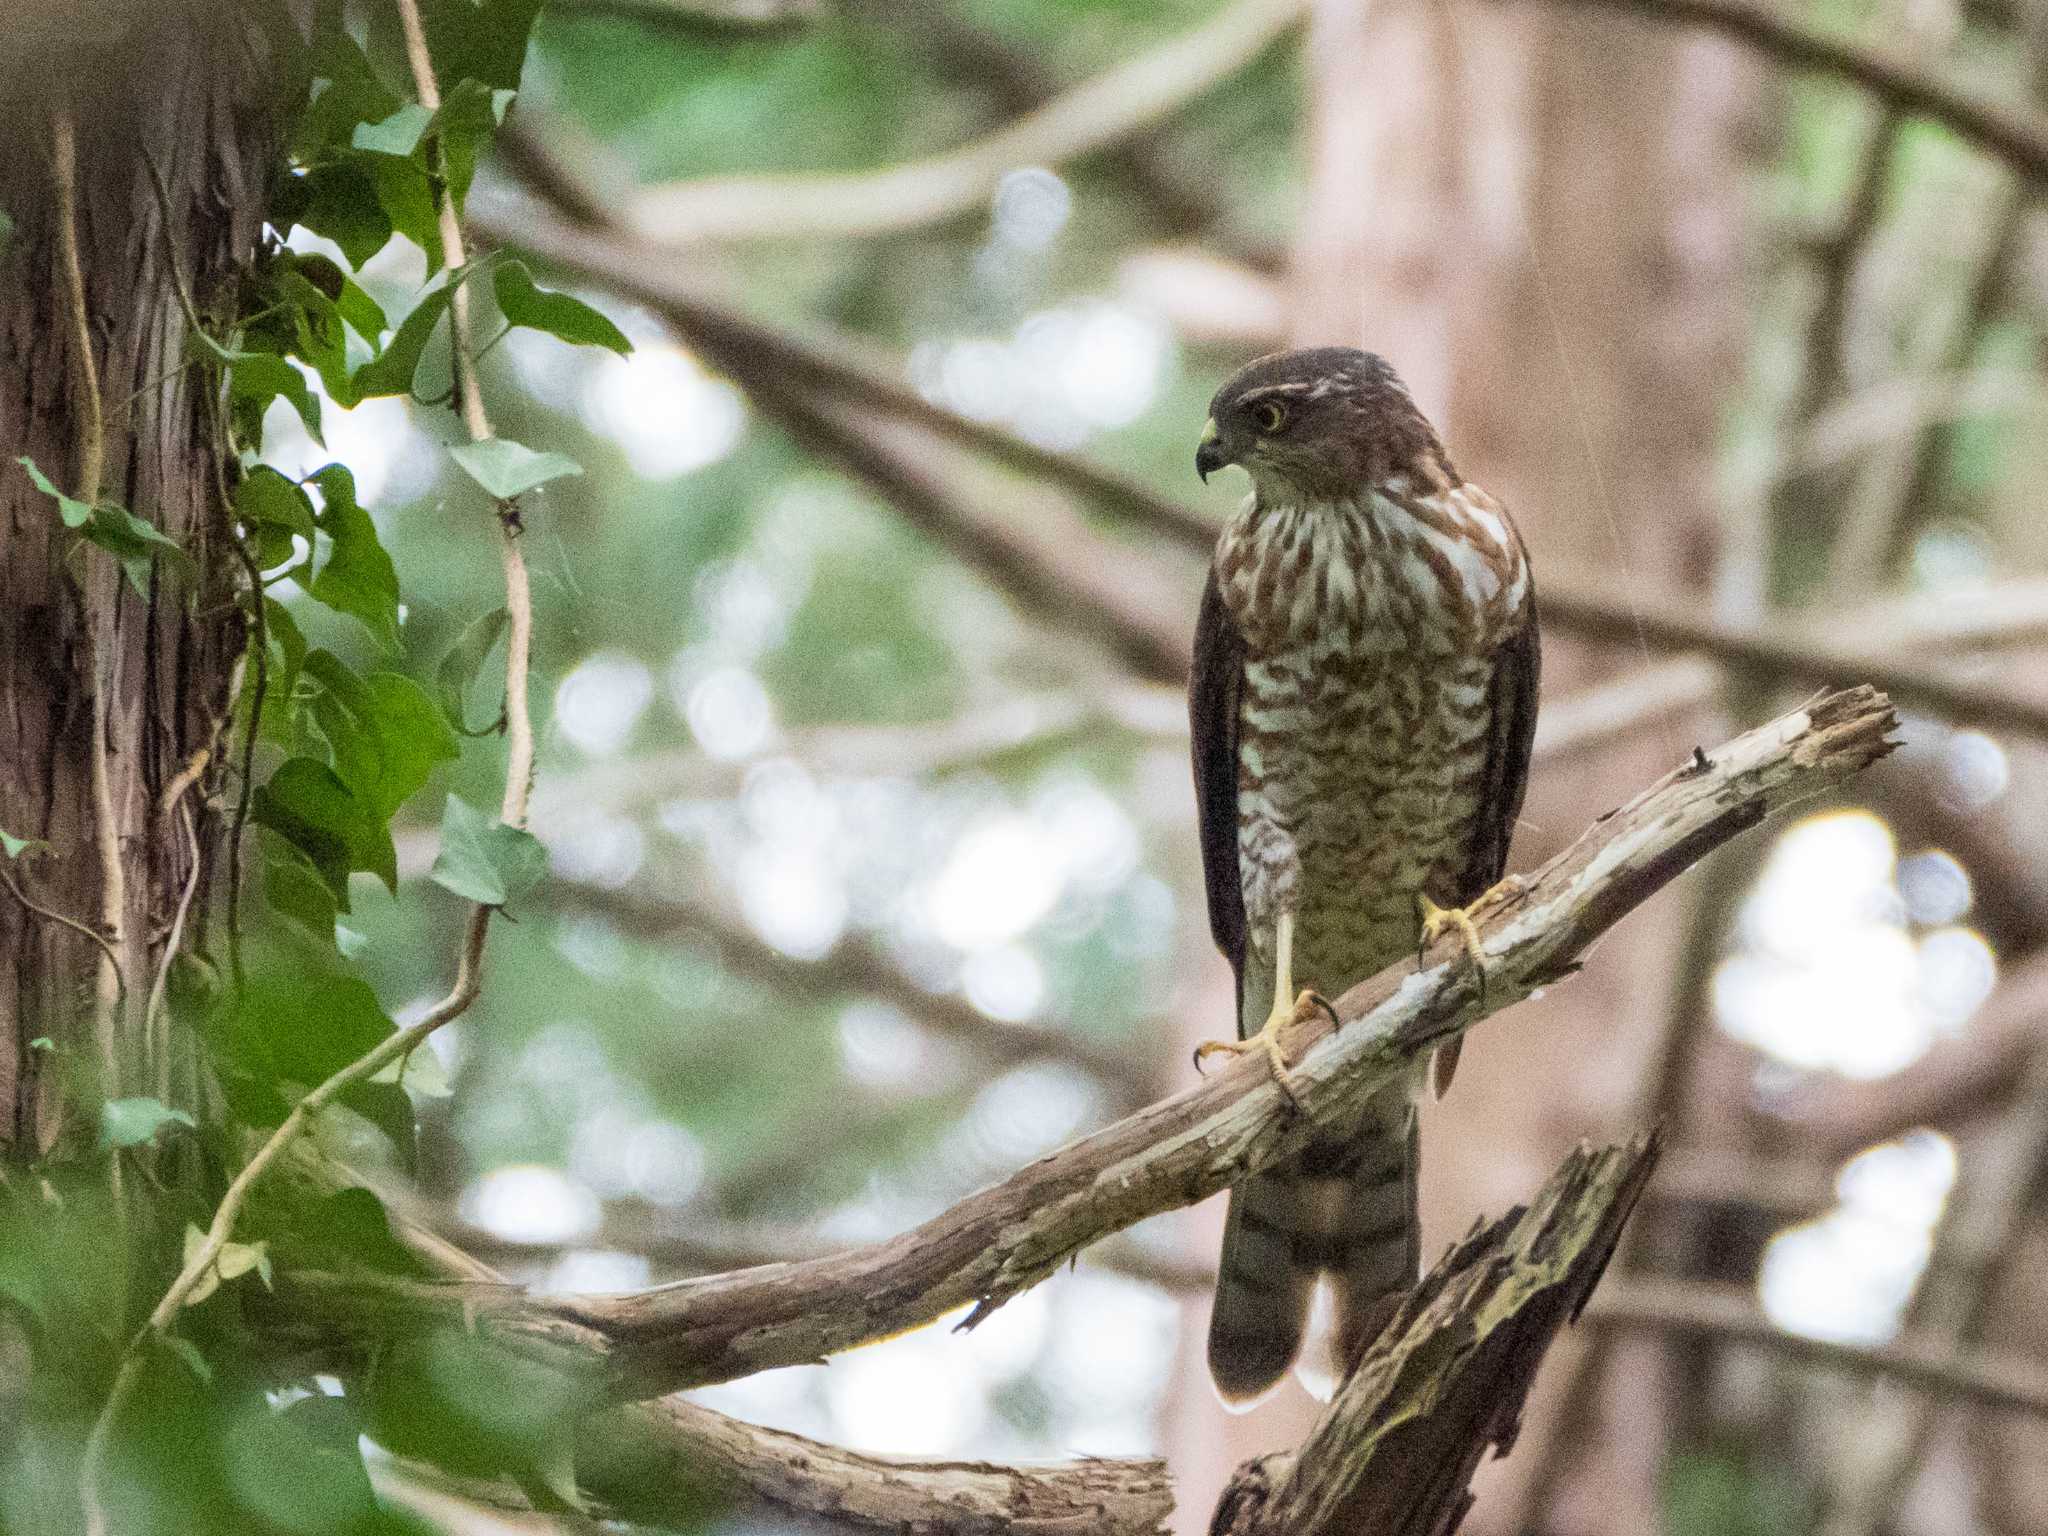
(997, 1243)
(2012, 134)
(1676, 1307)
(1396, 1450)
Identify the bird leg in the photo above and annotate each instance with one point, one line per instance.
(1287, 1007)
(1438, 921)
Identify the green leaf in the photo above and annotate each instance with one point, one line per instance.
(135, 1122)
(484, 859)
(6, 232)
(188, 1353)
(507, 469)
(300, 1470)
(339, 200)
(42, 1043)
(133, 541)
(419, 1072)
(290, 1028)
(465, 125)
(287, 655)
(407, 198)
(392, 370)
(559, 314)
(346, 93)
(307, 803)
(14, 847)
(295, 891)
(274, 508)
(458, 669)
(257, 378)
(358, 578)
(76, 514)
(385, 732)
(398, 134)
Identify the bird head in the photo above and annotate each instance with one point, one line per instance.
(1316, 425)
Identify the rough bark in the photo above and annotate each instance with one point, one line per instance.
(1446, 1380)
(184, 83)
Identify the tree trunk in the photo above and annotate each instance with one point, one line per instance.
(1536, 218)
(184, 86)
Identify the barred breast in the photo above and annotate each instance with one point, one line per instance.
(1369, 627)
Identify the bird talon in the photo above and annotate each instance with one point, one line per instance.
(1437, 921)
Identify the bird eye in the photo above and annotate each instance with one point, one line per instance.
(1271, 415)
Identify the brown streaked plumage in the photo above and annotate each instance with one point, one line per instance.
(1362, 704)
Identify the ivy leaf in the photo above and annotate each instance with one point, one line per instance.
(274, 508)
(14, 847)
(188, 1352)
(465, 125)
(287, 655)
(398, 134)
(339, 200)
(507, 469)
(233, 1261)
(387, 735)
(75, 513)
(484, 859)
(358, 577)
(391, 371)
(525, 303)
(135, 1122)
(308, 805)
(257, 378)
(294, 889)
(420, 1072)
(348, 93)
(133, 541)
(458, 669)
(407, 198)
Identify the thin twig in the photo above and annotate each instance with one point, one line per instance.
(1126, 99)
(112, 982)
(1787, 655)
(72, 923)
(2013, 134)
(1693, 1310)
(152, 1013)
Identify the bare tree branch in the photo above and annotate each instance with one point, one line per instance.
(1182, 197)
(855, 967)
(1395, 1452)
(1732, 1316)
(1786, 655)
(1124, 100)
(2012, 134)
(1178, 1151)
(640, 1462)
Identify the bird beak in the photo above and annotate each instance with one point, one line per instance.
(1210, 455)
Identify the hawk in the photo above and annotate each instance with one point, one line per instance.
(1362, 703)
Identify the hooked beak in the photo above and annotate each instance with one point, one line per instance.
(1210, 455)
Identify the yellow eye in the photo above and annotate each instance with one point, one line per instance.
(1271, 415)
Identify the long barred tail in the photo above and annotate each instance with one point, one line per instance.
(1346, 1206)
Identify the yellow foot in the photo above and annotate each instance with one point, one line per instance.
(1438, 921)
(1268, 1041)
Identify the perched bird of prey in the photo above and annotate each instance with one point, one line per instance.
(1362, 703)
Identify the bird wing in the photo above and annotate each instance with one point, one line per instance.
(1215, 689)
(1510, 734)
